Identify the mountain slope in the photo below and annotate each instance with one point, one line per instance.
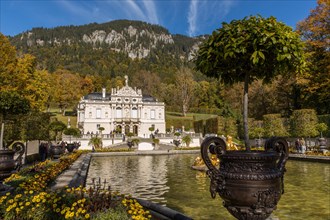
(109, 49)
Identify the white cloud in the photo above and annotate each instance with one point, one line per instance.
(83, 11)
(203, 12)
(192, 17)
(227, 5)
(136, 10)
(151, 11)
(74, 8)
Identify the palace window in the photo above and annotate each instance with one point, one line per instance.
(152, 114)
(134, 112)
(118, 113)
(98, 113)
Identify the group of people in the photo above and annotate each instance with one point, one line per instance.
(300, 145)
(43, 150)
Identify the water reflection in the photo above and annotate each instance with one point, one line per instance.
(142, 177)
(201, 181)
(307, 192)
(168, 179)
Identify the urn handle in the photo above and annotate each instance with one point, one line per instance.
(279, 145)
(19, 149)
(214, 145)
(217, 146)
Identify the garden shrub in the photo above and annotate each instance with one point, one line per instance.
(274, 126)
(303, 123)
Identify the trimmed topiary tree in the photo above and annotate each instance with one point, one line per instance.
(274, 125)
(321, 127)
(187, 140)
(249, 49)
(303, 123)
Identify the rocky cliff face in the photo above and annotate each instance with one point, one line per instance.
(137, 39)
(131, 39)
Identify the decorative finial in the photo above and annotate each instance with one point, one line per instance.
(126, 80)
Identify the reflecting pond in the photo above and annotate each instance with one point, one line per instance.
(169, 180)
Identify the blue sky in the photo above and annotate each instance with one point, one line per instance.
(187, 17)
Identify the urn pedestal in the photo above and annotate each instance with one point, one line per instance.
(249, 182)
(322, 144)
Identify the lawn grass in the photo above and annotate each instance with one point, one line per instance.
(177, 120)
(193, 116)
(64, 119)
(60, 117)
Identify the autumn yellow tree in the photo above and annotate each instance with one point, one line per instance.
(185, 85)
(23, 88)
(7, 63)
(148, 82)
(20, 75)
(87, 85)
(30, 82)
(315, 31)
(66, 87)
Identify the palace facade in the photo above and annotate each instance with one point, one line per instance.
(123, 111)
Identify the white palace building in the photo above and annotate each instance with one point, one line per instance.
(123, 110)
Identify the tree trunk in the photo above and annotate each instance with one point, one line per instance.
(184, 110)
(245, 113)
(1, 134)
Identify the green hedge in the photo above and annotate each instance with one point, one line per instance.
(199, 126)
(187, 123)
(218, 125)
(212, 126)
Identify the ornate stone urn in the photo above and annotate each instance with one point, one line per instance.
(8, 162)
(56, 151)
(70, 147)
(249, 182)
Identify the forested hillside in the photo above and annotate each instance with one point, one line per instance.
(109, 49)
